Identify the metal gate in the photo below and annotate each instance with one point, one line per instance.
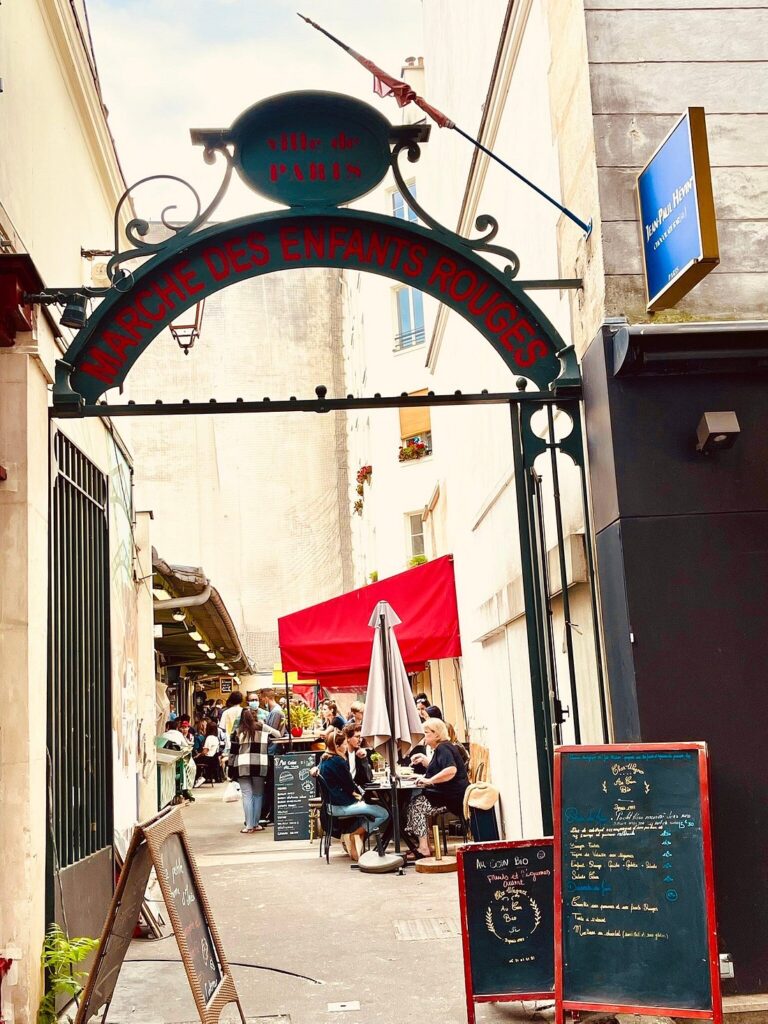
(79, 688)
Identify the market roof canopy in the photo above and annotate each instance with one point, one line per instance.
(332, 641)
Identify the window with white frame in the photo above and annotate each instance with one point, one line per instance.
(400, 208)
(410, 318)
(415, 535)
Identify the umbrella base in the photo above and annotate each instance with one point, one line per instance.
(372, 863)
(433, 866)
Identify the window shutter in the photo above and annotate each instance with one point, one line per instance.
(415, 421)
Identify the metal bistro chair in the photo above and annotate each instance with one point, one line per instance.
(443, 819)
(328, 820)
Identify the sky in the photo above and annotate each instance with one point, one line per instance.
(170, 65)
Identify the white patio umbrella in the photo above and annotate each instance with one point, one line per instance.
(391, 718)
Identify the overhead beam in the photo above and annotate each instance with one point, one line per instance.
(321, 404)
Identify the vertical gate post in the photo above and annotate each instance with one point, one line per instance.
(542, 717)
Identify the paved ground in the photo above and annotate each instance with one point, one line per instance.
(343, 937)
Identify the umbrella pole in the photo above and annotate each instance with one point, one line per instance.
(392, 741)
(288, 711)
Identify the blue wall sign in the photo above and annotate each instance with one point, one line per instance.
(677, 213)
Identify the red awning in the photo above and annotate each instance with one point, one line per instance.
(332, 641)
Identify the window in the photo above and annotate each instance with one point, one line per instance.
(416, 428)
(400, 208)
(410, 318)
(418, 439)
(416, 535)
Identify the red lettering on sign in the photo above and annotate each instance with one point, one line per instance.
(494, 323)
(260, 251)
(132, 323)
(377, 249)
(316, 172)
(342, 141)
(354, 249)
(216, 261)
(400, 244)
(238, 258)
(142, 305)
(276, 171)
(475, 306)
(535, 350)
(186, 278)
(172, 287)
(338, 239)
(118, 343)
(353, 171)
(462, 285)
(314, 243)
(103, 367)
(414, 265)
(288, 244)
(444, 269)
(521, 330)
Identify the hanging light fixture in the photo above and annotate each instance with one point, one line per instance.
(186, 328)
(204, 647)
(211, 655)
(74, 314)
(179, 615)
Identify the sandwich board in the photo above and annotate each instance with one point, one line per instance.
(162, 843)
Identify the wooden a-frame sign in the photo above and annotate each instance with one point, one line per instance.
(162, 843)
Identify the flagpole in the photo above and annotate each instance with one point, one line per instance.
(586, 228)
(404, 94)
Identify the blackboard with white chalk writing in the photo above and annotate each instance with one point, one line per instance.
(162, 844)
(634, 878)
(294, 787)
(191, 914)
(506, 892)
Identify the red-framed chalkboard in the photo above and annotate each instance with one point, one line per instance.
(507, 924)
(635, 928)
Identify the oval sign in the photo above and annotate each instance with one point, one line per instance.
(311, 148)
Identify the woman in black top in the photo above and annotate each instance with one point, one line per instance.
(444, 782)
(330, 712)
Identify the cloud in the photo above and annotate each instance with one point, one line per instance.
(170, 65)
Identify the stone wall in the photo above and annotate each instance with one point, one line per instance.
(647, 63)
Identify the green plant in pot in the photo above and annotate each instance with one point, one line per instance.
(60, 954)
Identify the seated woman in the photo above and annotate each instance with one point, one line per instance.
(445, 781)
(345, 797)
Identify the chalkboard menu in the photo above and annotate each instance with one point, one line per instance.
(162, 843)
(185, 897)
(294, 787)
(506, 890)
(633, 887)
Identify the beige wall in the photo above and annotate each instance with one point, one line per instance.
(59, 184)
(647, 63)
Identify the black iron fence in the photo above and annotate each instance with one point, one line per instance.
(79, 690)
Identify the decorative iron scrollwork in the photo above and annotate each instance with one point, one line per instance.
(137, 229)
(484, 222)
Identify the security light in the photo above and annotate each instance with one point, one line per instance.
(716, 432)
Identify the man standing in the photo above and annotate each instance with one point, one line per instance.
(275, 719)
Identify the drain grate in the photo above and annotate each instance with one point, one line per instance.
(427, 928)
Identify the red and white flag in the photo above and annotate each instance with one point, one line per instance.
(388, 85)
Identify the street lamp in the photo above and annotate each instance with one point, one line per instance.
(186, 329)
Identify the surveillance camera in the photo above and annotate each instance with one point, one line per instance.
(716, 432)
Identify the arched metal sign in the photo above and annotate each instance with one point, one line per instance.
(310, 151)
